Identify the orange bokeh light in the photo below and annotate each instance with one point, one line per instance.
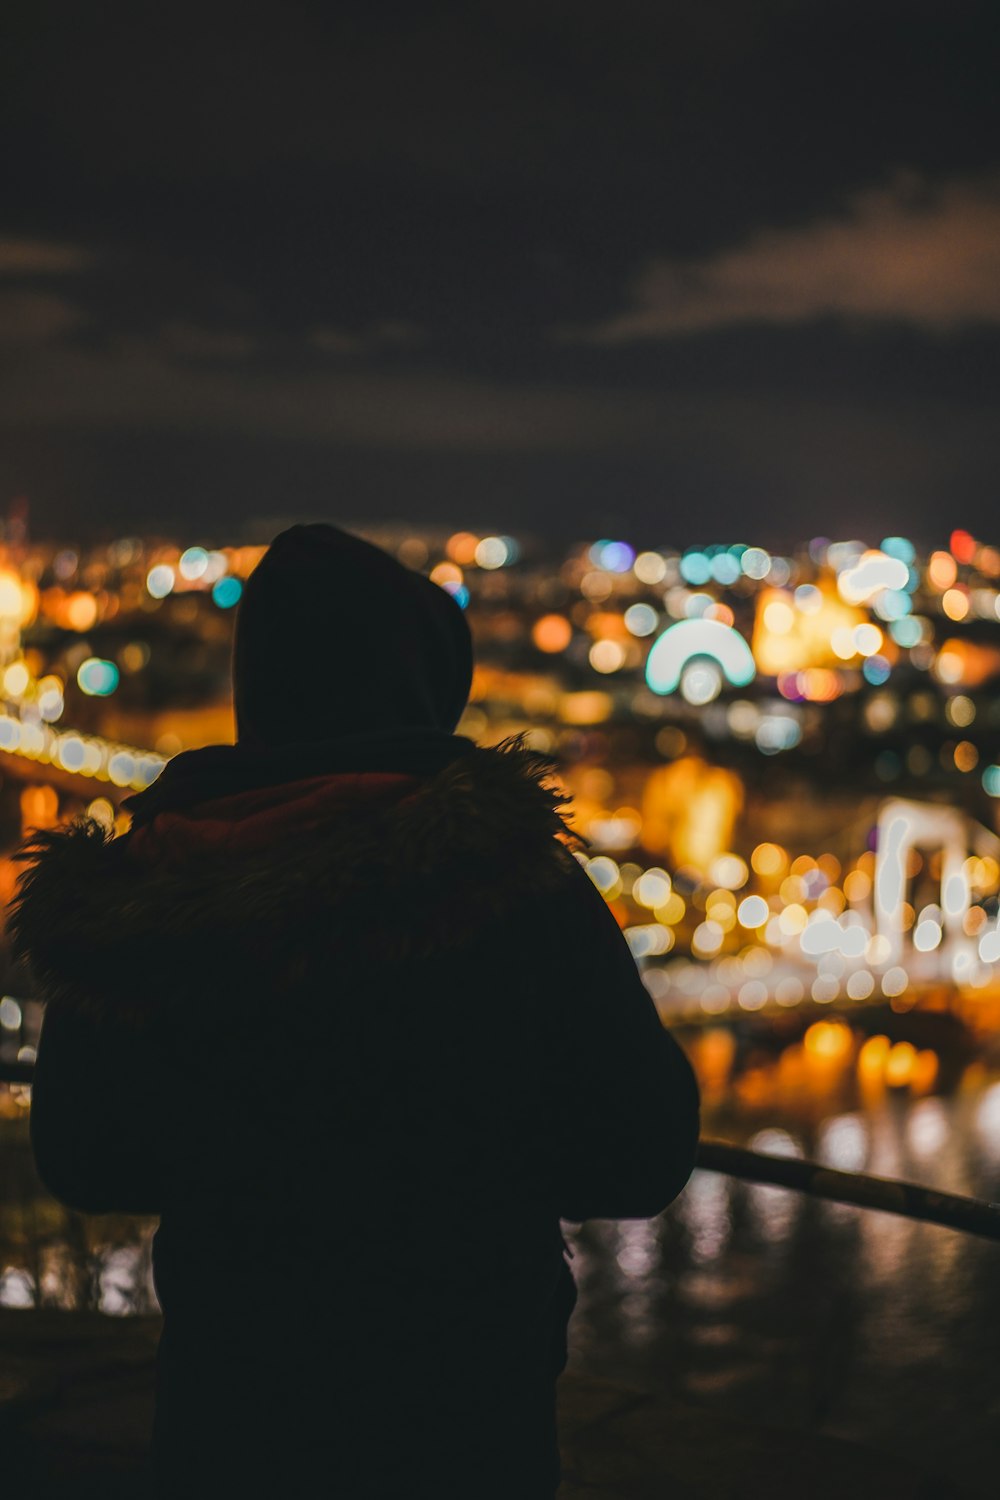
(942, 570)
(446, 572)
(955, 604)
(80, 611)
(461, 548)
(552, 633)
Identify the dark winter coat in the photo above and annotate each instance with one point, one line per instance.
(360, 1041)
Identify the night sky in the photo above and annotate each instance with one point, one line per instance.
(676, 271)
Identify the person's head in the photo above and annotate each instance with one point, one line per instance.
(334, 636)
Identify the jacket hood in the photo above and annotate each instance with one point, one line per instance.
(393, 864)
(339, 628)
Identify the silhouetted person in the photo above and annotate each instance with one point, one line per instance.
(343, 1009)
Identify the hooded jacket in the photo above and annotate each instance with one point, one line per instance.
(360, 1039)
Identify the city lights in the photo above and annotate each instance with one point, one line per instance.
(666, 682)
(680, 646)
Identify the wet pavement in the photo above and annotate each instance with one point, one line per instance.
(770, 1306)
(753, 1305)
(76, 1405)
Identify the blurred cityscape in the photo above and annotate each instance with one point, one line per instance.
(783, 764)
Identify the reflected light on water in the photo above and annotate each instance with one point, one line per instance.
(927, 1128)
(774, 1209)
(17, 1288)
(843, 1143)
(706, 1213)
(637, 1252)
(887, 1243)
(119, 1278)
(988, 1122)
(776, 1143)
(63, 1279)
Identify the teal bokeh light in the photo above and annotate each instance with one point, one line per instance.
(227, 592)
(690, 638)
(97, 677)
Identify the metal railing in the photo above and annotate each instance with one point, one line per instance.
(886, 1194)
(16, 1072)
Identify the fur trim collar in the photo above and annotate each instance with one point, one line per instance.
(403, 878)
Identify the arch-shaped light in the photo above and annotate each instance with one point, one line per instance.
(689, 638)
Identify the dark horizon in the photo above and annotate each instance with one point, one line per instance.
(162, 486)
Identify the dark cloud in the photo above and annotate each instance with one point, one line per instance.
(192, 342)
(347, 234)
(384, 335)
(29, 319)
(22, 256)
(914, 253)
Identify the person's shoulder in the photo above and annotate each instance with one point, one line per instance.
(501, 798)
(485, 841)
